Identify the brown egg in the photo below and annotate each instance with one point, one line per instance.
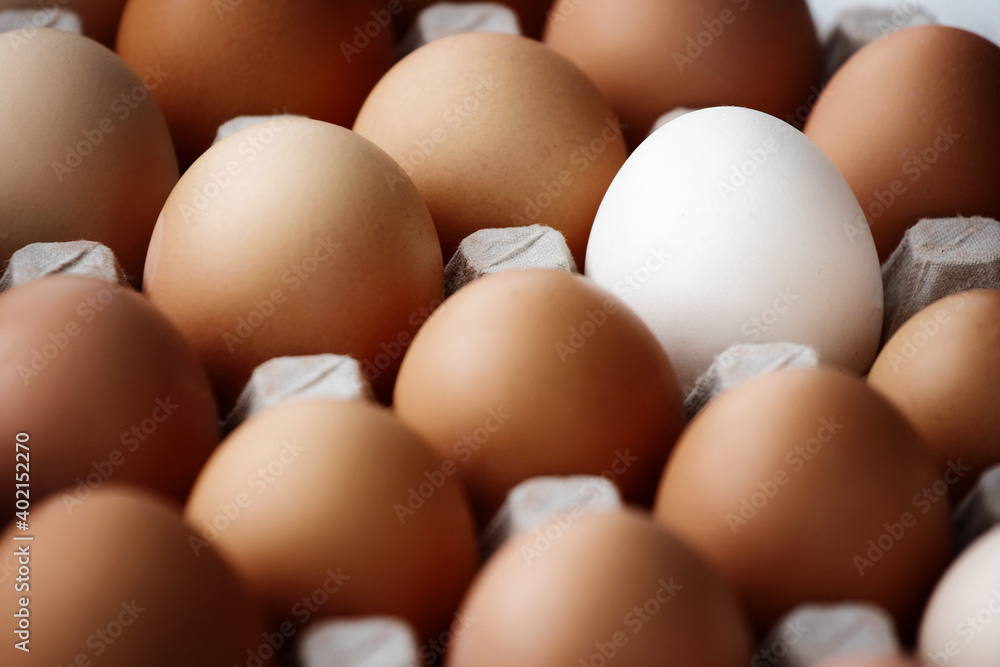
(942, 370)
(497, 131)
(104, 387)
(599, 589)
(649, 56)
(228, 58)
(868, 661)
(295, 237)
(910, 121)
(114, 582)
(530, 13)
(336, 508)
(86, 150)
(540, 372)
(99, 18)
(807, 486)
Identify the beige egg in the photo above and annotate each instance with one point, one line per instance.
(336, 508)
(540, 372)
(942, 370)
(106, 389)
(650, 56)
(87, 149)
(598, 589)
(807, 486)
(295, 237)
(114, 582)
(497, 131)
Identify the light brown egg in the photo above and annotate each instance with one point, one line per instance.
(868, 661)
(807, 486)
(598, 589)
(295, 237)
(228, 58)
(104, 386)
(910, 121)
(99, 18)
(942, 370)
(497, 131)
(649, 56)
(114, 582)
(86, 150)
(540, 372)
(335, 508)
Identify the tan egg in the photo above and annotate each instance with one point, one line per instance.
(807, 486)
(598, 589)
(497, 131)
(649, 56)
(228, 58)
(540, 372)
(868, 661)
(99, 18)
(295, 237)
(910, 121)
(335, 508)
(114, 582)
(86, 149)
(104, 386)
(942, 370)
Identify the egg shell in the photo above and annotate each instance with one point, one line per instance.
(497, 130)
(910, 121)
(729, 226)
(540, 372)
(868, 661)
(104, 386)
(805, 485)
(594, 589)
(113, 581)
(92, 151)
(960, 625)
(335, 508)
(650, 56)
(295, 237)
(228, 58)
(940, 369)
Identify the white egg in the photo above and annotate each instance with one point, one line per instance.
(728, 226)
(961, 624)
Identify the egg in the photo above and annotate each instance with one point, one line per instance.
(961, 625)
(650, 56)
(99, 18)
(539, 372)
(862, 660)
(496, 131)
(910, 121)
(114, 582)
(729, 226)
(104, 386)
(807, 486)
(598, 589)
(940, 369)
(87, 149)
(228, 58)
(295, 237)
(335, 508)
